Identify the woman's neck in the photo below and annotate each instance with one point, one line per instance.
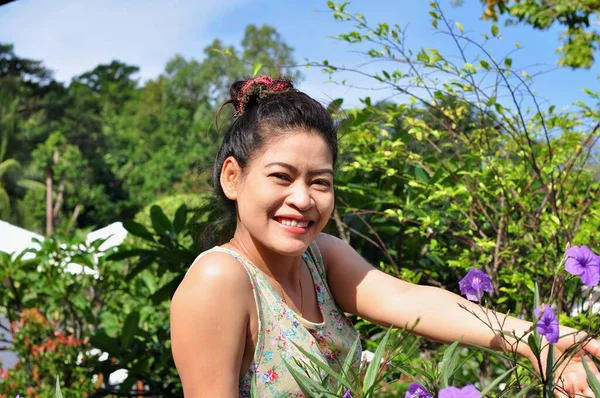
(281, 267)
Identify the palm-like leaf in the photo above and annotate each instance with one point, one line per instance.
(7, 165)
(31, 184)
(4, 203)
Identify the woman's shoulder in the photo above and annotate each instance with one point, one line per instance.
(330, 246)
(214, 273)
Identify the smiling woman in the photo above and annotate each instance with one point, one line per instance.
(274, 173)
(245, 307)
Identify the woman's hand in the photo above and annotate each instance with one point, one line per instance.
(570, 377)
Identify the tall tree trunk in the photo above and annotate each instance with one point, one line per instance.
(74, 216)
(59, 200)
(49, 208)
(49, 218)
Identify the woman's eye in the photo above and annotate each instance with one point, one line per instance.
(324, 183)
(280, 176)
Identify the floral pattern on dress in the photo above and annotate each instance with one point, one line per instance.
(281, 329)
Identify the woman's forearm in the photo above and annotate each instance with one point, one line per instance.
(442, 318)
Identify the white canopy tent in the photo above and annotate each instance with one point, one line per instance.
(15, 239)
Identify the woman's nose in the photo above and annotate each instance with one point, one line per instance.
(300, 197)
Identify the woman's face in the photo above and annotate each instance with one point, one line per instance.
(285, 195)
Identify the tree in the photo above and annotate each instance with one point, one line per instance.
(581, 37)
(11, 178)
(70, 184)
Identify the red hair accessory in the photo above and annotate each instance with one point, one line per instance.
(261, 86)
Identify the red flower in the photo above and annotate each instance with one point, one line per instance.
(270, 376)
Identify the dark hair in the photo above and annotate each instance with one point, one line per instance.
(267, 108)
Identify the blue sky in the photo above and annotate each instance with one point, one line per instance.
(73, 36)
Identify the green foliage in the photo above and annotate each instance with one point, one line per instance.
(454, 178)
(581, 40)
(48, 351)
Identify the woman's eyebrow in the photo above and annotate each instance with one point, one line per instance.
(295, 170)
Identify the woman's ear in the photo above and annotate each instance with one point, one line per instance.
(231, 174)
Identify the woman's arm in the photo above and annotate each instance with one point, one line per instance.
(360, 289)
(209, 320)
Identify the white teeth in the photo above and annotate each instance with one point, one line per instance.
(294, 223)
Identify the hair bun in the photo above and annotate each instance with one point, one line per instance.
(245, 93)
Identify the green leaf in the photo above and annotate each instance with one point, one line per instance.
(177, 256)
(374, 366)
(508, 62)
(123, 254)
(139, 267)
(58, 393)
(496, 381)
(347, 366)
(130, 329)
(84, 259)
(253, 388)
(105, 343)
(180, 218)
(160, 222)
(524, 391)
(256, 69)
(308, 386)
(536, 296)
(323, 366)
(335, 105)
(421, 175)
(31, 184)
(448, 365)
(550, 371)
(165, 292)
(470, 67)
(485, 64)
(127, 384)
(533, 342)
(494, 33)
(138, 230)
(591, 378)
(460, 27)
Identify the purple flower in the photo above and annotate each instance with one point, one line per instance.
(547, 325)
(415, 390)
(347, 394)
(454, 392)
(583, 262)
(474, 284)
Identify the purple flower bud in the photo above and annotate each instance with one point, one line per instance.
(547, 325)
(347, 394)
(474, 284)
(454, 392)
(415, 390)
(585, 263)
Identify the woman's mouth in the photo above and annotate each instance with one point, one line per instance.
(295, 226)
(294, 223)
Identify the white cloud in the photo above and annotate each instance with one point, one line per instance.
(74, 36)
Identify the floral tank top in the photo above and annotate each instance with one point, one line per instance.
(280, 329)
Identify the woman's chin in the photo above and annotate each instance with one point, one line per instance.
(291, 247)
